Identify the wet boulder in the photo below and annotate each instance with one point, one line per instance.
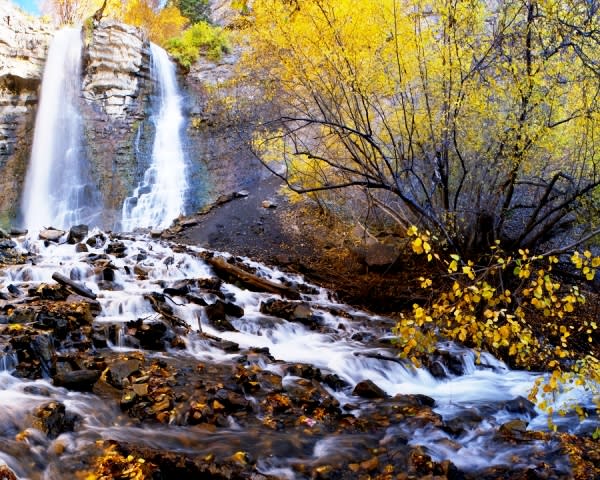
(304, 370)
(116, 248)
(96, 241)
(335, 382)
(467, 420)
(217, 312)
(520, 405)
(289, 310)
(52, 419)
(77, 233)
(368, 389)
(151, 335)
(6, 243)
(232, 401)
(78, 380)
(120, 371)
(51, 234)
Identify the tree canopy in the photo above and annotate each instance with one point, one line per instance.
(477, 120)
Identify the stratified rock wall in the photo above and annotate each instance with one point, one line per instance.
(116, 111)
(221, 113)
(23, 46)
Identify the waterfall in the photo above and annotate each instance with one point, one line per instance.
(159, 198)
(57, 188)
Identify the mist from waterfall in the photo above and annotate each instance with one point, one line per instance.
(159, 198)
(57, 190)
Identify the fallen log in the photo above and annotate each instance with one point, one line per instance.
(75, 287)
(248, 280)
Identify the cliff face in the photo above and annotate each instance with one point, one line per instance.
(117, 90)
(118, 95)
(23, 46)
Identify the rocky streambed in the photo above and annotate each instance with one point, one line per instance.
(133, 357)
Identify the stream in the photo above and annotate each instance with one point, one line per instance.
(279, 380)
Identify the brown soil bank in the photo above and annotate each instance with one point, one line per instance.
(264, 225)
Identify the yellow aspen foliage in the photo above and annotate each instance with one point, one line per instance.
(475, 309)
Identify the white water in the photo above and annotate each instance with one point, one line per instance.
(159, 198)
(57, 191)
(484, 387)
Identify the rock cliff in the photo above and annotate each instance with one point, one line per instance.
(118, 96)
(117, 92)
(23, 46)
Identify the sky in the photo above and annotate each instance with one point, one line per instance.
(30, 6)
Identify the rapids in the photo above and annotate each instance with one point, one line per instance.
(343, 341)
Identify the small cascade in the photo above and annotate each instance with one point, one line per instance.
(159, 198)
(57, 190)
(178, 360)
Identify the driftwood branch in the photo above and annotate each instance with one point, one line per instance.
(248, 280)
(75, 287)
(159, 305)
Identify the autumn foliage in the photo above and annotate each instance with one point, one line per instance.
(476, 120)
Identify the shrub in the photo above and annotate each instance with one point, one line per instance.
(201, 37)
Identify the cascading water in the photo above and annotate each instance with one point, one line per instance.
(337, 340)
(57, 190)
(159, 198)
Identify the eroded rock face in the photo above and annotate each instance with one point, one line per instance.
(23, 46)
(117, 89)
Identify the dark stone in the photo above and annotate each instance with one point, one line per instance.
(59, 325)
(448, 363)
(234, 310)
(198, 300)
(334, 381)
(152, 336)
(380, 256)
(120, 370)
(52, 419)
(6, 244)
(304, 370)
(108, 274)
(94, 305)
(416, 400)
(14, 290)
(467, 420)
(437, 370)
(522, 406)
(179, 289)
(116, 248)
(513, 429)
(81, 248)
(212, 283)
(216, 314)
(233, 401)
(97, 241)
(77, 233)
(42, 349)
(367, 389)
(79, 380)
(291, 311)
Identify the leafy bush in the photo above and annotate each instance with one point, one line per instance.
(201, 37)
(514, 306)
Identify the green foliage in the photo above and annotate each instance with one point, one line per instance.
(194, 10)
(199, 38)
